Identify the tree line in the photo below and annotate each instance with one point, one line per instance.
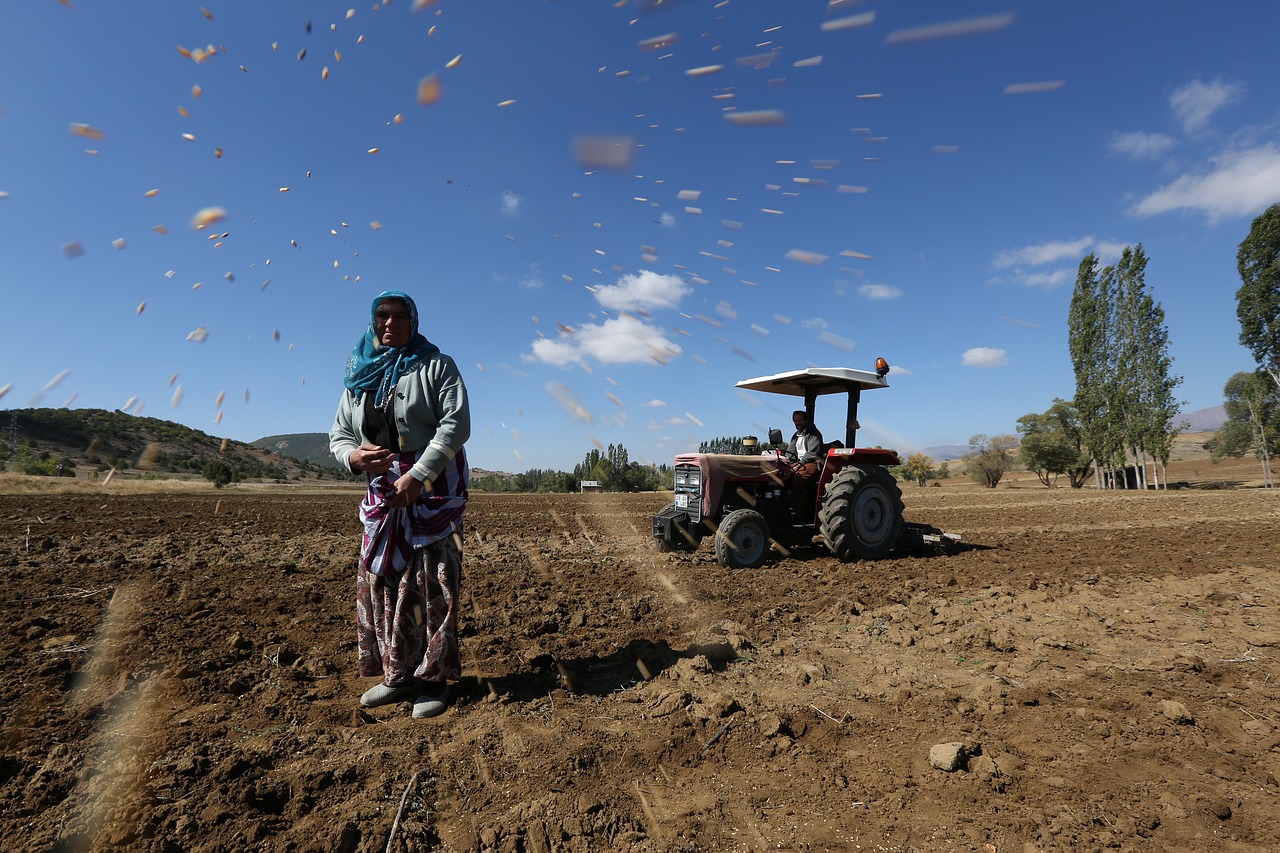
(1120, 425)
(612, 470)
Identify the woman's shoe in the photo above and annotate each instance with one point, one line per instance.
(381, 694)
(432, 703)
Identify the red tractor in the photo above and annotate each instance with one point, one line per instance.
(752, 503)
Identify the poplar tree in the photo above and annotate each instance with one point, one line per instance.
(1090, 347)
(1120, 352)
(1258, 299)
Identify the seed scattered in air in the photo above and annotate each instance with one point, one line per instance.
(429, 90)
(208, 216)
(88, 132)
(849, 22)
(951, 29)
(813, 259)
(1028, 88)
(757, 118)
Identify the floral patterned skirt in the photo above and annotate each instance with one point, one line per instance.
(407, 622)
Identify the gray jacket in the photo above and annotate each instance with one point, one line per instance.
(432, 415)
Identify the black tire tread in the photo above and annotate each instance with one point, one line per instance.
(835, 518)
(726, 554)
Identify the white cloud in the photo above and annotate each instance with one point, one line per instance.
(1195, 103)
(667, 220)
(643, 290)
(898, 370)
(879, 291)
(621, 340)
(1017, 261)
(1043, 253)
(511, 203)
(533, 277)
(985, 357)
(655, 403)
(815, 323)
(1140, 145)
(1109, 252)
(1241, 183)
(1047, 280)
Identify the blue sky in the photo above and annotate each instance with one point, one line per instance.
(610, 212)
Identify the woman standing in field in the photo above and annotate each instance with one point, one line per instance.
(402, 420)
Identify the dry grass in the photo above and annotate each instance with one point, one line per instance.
(25, 484)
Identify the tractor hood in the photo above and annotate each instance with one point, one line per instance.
(717, 468)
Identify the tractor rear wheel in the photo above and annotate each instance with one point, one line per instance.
(742, 540)
(861, 515)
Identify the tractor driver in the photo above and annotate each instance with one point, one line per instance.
(805, 453)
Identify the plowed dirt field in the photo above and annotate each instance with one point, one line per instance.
(178, 676)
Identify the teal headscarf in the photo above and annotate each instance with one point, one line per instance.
(374, 366)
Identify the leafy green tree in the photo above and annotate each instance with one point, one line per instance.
(919, 467)
(1090, 347)
(1119, 348)
(731, 444)
(1252, 404)
(1053, 445)
(990, 457)
(1258, 299)
(218, 472)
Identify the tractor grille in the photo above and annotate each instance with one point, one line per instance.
(688, 489)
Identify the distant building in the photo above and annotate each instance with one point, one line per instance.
(589, 485)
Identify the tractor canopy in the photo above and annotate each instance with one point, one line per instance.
(813, 382)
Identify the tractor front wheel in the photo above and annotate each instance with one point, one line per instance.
(861, 514)
(742, 541)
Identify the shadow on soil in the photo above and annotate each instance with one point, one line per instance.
(638, 661)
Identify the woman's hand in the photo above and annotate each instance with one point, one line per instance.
(408, 488)
(371, 458)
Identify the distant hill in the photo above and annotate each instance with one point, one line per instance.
(313, 447)
(1205, 420)
(89, 442)
(310, 447)
(945, 452)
